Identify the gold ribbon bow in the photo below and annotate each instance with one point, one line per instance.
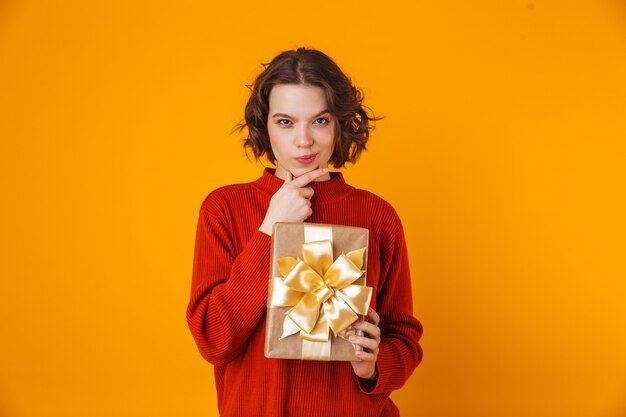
(322, 295)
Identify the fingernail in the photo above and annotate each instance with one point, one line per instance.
(352, 338)
(325, 169)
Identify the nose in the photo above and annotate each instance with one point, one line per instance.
(304, 138)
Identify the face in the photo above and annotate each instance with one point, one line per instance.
(301, 129)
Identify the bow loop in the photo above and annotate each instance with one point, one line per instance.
(342, 272)
(303, 278)
(318, 255)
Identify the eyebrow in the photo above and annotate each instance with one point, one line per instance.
(286, 115)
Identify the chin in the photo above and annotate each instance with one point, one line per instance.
(302, 169)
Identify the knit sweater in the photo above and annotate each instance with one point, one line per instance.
(226, 311)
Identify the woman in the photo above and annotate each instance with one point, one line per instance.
(303, 114)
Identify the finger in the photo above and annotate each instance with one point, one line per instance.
(306, 192)
(289, 177)
(366, 356)
(374, 317)
(366, 342)
(304, 179)
(369, 328)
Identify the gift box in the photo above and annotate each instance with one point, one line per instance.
(316, 291)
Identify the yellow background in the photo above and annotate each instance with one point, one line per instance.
(503, 150)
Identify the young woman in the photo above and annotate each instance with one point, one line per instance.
(303, 114)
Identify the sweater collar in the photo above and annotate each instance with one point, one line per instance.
(323, 191)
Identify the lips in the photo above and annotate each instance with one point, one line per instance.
(306, 159)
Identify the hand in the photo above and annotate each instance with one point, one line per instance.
(292, 201)
(365, 367)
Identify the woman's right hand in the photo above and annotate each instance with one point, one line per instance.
(292, 201)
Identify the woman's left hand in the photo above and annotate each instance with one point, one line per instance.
(365, 367)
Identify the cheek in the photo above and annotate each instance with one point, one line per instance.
(277, 138)
(329, 140)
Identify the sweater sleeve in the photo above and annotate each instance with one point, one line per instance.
(399, 350)
(228, 291)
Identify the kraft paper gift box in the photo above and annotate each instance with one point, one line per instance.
(316, 290)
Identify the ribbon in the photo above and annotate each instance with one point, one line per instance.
(322, 295)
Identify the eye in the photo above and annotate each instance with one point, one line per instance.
(322, 120)
(280, 122)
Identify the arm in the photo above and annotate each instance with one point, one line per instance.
(228, 291)
(399, 351)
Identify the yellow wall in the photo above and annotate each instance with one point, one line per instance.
(503, 151)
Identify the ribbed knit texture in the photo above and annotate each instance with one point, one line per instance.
(226, 312)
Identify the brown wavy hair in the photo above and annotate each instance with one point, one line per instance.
(310, 67)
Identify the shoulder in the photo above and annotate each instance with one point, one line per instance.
(373, 200)
(383, 216)
(224, 198)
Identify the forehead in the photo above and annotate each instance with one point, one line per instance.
(297, 99)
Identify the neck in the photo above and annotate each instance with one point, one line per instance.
(325, 191)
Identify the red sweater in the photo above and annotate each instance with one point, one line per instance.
(226, 312)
